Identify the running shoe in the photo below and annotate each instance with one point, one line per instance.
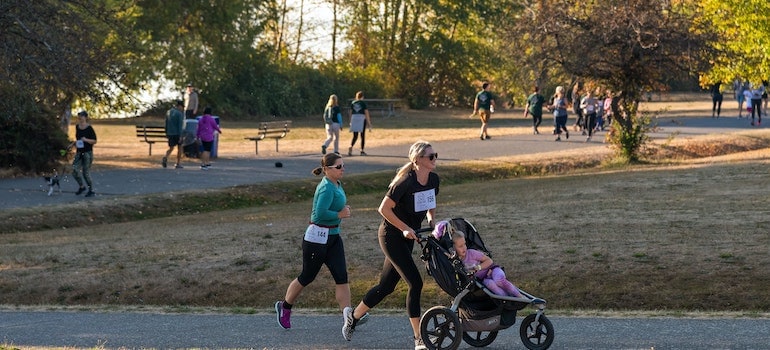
(283, 315)
(347, 325)
(362, 320)
(419, 344)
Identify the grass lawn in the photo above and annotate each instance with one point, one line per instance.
(682, 235)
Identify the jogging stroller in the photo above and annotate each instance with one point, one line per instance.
(476, 314)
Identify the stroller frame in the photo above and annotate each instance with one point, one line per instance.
(442, 328)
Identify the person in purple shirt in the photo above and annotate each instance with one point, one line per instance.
(206, 127)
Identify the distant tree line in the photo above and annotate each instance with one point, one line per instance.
(248, 61)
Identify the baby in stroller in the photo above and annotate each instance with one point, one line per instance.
(490, 274)
(458, 260)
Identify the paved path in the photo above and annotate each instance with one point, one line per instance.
(226, 172)
(129, 330)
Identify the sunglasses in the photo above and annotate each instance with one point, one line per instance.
(338, 167)
(431, 156)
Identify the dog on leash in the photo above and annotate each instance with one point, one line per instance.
(53, 181)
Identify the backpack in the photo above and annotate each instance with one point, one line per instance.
(328, 116)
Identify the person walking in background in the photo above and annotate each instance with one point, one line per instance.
(580, 120)
(747, 98)
(484, 106)
(206, 127)
(534, 107)
(741, 97)
(333, 121)
(359, 122)
(322, 244)
(411, 198)
(756, 103)
(588, 106)
(190, 102)
(559, 108)
(174, 128)
(85, 139)
(607, 106)
(716, 99)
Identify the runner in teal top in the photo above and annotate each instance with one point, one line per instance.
(322, 244)
(328, 201)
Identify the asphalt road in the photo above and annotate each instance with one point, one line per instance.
(164, 331)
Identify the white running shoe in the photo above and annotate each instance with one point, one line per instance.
(347, 326)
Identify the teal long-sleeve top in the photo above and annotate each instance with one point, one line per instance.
(329, 199)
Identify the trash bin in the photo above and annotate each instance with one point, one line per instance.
(215, 146)
(190, 148)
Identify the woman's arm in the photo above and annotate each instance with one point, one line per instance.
(386, 210)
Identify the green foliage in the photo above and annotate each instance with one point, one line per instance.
(627, 140)
(743, 44)
(30, 140)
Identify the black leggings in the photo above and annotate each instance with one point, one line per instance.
(756, 108)
(363, 138)
(331, 254)
(716, 104)
(536, 120)
(398, 264)
(590, 122)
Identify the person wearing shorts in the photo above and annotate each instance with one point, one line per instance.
(322, 243)
(174, 129)
(205, 134)
(484, 105)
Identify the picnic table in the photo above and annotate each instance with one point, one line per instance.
(386, 105)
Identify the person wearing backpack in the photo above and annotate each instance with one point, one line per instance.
(333, 122)
(534, 107)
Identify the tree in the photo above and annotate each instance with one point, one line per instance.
(430, 52)
(743, 44)
(52, 52)
(627, 46)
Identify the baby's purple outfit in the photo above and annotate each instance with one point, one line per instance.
(492, 277)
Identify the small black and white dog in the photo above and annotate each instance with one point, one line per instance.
(53, 181)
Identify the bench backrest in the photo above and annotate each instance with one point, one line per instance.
(277, 129)
(150, 131)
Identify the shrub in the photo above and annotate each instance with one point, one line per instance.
(30, 138)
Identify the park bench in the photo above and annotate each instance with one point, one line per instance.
(276, 130)
(151, 134)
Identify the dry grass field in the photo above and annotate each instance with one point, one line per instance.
(670, 236)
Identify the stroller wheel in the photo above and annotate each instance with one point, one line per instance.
(536, 335)
(479, 339)
(440, 328)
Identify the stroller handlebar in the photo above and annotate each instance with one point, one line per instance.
(419, 233)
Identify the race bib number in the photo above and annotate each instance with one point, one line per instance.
(316, 234)
(425, 200)
(79, 144)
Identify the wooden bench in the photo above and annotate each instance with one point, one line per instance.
(151, 134)
(276, 130)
